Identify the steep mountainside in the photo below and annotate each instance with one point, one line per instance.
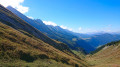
(56, 32)
(22, 44)
(106, 56)
(7, 17)
(17, 49)
(102, 39)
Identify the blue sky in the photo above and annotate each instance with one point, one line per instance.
(80, 16)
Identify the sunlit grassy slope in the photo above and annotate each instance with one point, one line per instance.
(17, 49)
(106, 56)
(10, 19)
(23, 45)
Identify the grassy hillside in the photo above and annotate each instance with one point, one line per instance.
(56, 32)
(17, 49)
(106, 56)
(10, 19)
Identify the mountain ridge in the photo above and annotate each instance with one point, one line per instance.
(55, 32)
(22, 25)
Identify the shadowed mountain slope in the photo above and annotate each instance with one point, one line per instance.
(56, 32)
(101, 39)
(7, 17)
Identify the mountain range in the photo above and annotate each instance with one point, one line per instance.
(76, 41)
(56, 32)
(101, 39)
(26, 42)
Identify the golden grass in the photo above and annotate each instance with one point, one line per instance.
(109, 56)
(15, 45)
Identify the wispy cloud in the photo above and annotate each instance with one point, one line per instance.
(54, 24)
(65, 27)
(108, 28)
(50, 23)
(16, 4)
(80, 28)
(30, 17)
(70, 29)
(104, 29)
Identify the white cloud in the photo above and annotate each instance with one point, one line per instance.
(70, 29)
(22, 9)
(54, 24)
(30, 17)
(50, 23)
(15, 4)
(64, 27)
(80, 28)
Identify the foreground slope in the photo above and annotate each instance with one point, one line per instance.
(17, 49)
(8, 18)
(106, 56)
